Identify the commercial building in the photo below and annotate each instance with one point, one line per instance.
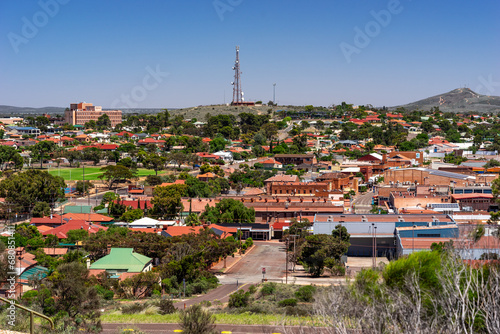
(378, 233)
(81, 113)
(426, 176)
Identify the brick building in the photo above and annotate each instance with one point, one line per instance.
(475, 202)
(295, 159)
(81, 113)
(298, 188)
(282, 178)
(426, 176)
(338, 180)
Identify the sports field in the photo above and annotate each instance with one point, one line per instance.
(91, 173)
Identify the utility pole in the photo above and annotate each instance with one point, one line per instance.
(413, 240)
(286, 264)
(375, 246)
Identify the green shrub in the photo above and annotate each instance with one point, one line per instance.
(108, 295)
(195, 320)
(239, 299)
(29, 297)
(252, 289)
(166, 306)
(134, 308)
(305, 293)
(249, 241)
(288, 302)
(268, 289)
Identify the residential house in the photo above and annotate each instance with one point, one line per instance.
(122, 263)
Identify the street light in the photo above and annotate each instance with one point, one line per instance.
(373, 245)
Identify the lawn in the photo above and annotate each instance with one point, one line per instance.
(221, 318)
(91, 173)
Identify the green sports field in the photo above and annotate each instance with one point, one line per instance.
(91, 173)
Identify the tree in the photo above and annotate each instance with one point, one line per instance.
(491, 163)
(318, 249)
(103, 122)
(114, 174)
(9, 154)
(92, 154)
(74, 296)
(154, 161)
(42, 149)
(23, 190)
(41, 209)
(132, 215)
(340, 232)
(153, 180)
(167, 200)
(217, 144)
(228, 210)
(192, 220)
(73, 156)
(83, 187)
(109, 197)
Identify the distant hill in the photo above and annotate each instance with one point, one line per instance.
(15, 111)
(458, 100)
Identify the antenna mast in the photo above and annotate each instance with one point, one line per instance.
(237, 93)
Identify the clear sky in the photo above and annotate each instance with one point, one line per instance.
(160, 54)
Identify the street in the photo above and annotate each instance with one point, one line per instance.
(363, 203)
(268, 255)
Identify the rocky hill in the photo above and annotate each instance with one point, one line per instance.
(458, 100)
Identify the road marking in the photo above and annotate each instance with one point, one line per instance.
(177, 330)
(226, 332)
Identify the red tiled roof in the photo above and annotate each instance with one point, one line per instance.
(181, 230)
(62, 231)
(106, 146)
(166, 184)
(55, 251)
(94, 217)
(135, 204)
(271, 161)
(56, 219)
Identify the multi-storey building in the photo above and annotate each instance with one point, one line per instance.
(81, 113)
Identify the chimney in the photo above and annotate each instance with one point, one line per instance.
(88, 263)
(108, 249)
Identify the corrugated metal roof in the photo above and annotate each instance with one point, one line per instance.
(122, 258)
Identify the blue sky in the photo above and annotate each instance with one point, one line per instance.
(162, 54)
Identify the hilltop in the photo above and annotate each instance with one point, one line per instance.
(458, 100)
(200, 112)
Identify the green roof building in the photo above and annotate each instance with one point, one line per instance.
(123, 260)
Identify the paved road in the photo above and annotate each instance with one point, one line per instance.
(222, 328)
(363, 203)
(269, 255)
